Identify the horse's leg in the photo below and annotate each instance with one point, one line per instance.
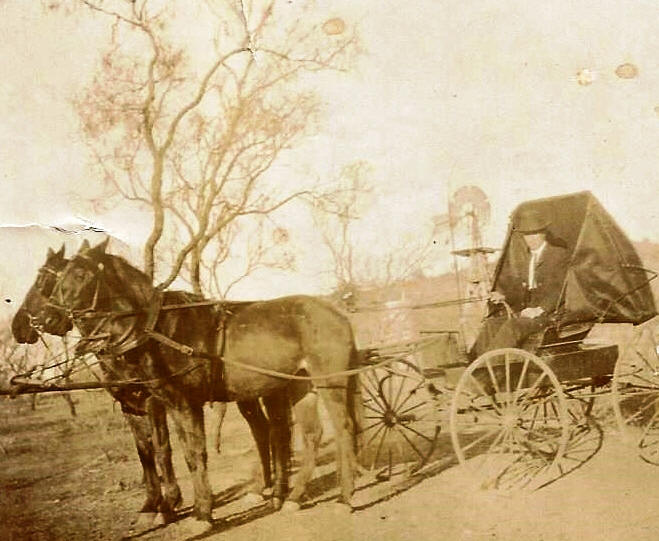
(334, 396)
(259, 426)
(279, 413)
(141, 429)
(221, 412)
(308, 422)
(189, 420)
(172, 492)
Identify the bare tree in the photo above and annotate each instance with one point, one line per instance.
(335, 217)
(13, 360)
(353, 266)
(193, 137)
(48, 361)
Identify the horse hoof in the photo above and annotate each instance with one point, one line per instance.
(144, 522)
(290, 507)
(198, 527)
(277, 503)
(253, 498)
(340, 508)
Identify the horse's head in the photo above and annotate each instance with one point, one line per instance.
(76, 289)
(23, 326)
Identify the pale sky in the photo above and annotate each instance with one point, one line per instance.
(448, 93)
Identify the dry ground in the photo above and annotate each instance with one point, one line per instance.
(65, 478)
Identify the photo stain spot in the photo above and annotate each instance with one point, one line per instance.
(627, 71)
(334, 27)
(585, 77)
(8, 301)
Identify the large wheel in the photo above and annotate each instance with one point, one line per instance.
(509, 421)
(401, 418)
(635, 394)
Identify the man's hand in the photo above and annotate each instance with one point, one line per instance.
(532, 313)
(497, 297)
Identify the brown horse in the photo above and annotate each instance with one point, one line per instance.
(176, 354)
(145, 415)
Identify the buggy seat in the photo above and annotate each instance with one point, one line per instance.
(553, 337)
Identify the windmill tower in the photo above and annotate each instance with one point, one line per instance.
(469, 212)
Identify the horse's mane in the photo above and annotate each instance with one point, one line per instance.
(134, 284)
(138, 289)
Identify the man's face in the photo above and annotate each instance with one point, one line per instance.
(535, 240)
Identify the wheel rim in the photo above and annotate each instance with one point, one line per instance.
(401, 419)
(508, 420)
(635, 394)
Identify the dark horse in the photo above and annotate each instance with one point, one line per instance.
(145, 416)
(188, 357)
(151, 432)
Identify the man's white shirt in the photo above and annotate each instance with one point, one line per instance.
(533, 263)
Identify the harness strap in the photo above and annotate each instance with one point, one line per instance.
(152, 313)
(186, 350)
(217, 387)
(218, 391)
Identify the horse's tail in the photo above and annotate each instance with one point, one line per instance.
(355, 403)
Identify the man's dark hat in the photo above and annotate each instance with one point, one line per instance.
(528, 222)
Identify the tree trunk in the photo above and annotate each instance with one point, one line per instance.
(196, 270)
(72, 404)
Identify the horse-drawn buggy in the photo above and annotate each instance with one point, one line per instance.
(517, 414)
(513, 413)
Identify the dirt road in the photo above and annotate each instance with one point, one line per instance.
(79, 479)
(613, 497)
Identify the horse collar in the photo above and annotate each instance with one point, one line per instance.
(152, 312)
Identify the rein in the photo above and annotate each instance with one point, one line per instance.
(123, 344)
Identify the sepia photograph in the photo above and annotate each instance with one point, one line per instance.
(328, 271)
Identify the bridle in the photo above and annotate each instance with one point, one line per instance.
(41, 287)
(57, 300)
(104, 341)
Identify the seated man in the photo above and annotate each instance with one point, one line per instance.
(533, 290)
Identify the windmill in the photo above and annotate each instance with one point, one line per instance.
(469, 213)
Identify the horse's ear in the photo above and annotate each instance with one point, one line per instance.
(100, 248)
(85, 246)
(50, 253)
(61, 251)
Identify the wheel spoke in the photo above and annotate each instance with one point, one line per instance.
(375, 398)
(492, 376)
(522, 374)
(491, 413)
(480, 439)
(536, 383)
(372, 408)
(371, 426)
(410, 443)
(483, 393)
(641, 411)
(506, 360)
(421, 435)
(502, 435)
(411, 408)
(394, 403)
(411, 393)
(375, 434)
(377, 453)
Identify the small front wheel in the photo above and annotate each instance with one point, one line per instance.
(401, 418)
